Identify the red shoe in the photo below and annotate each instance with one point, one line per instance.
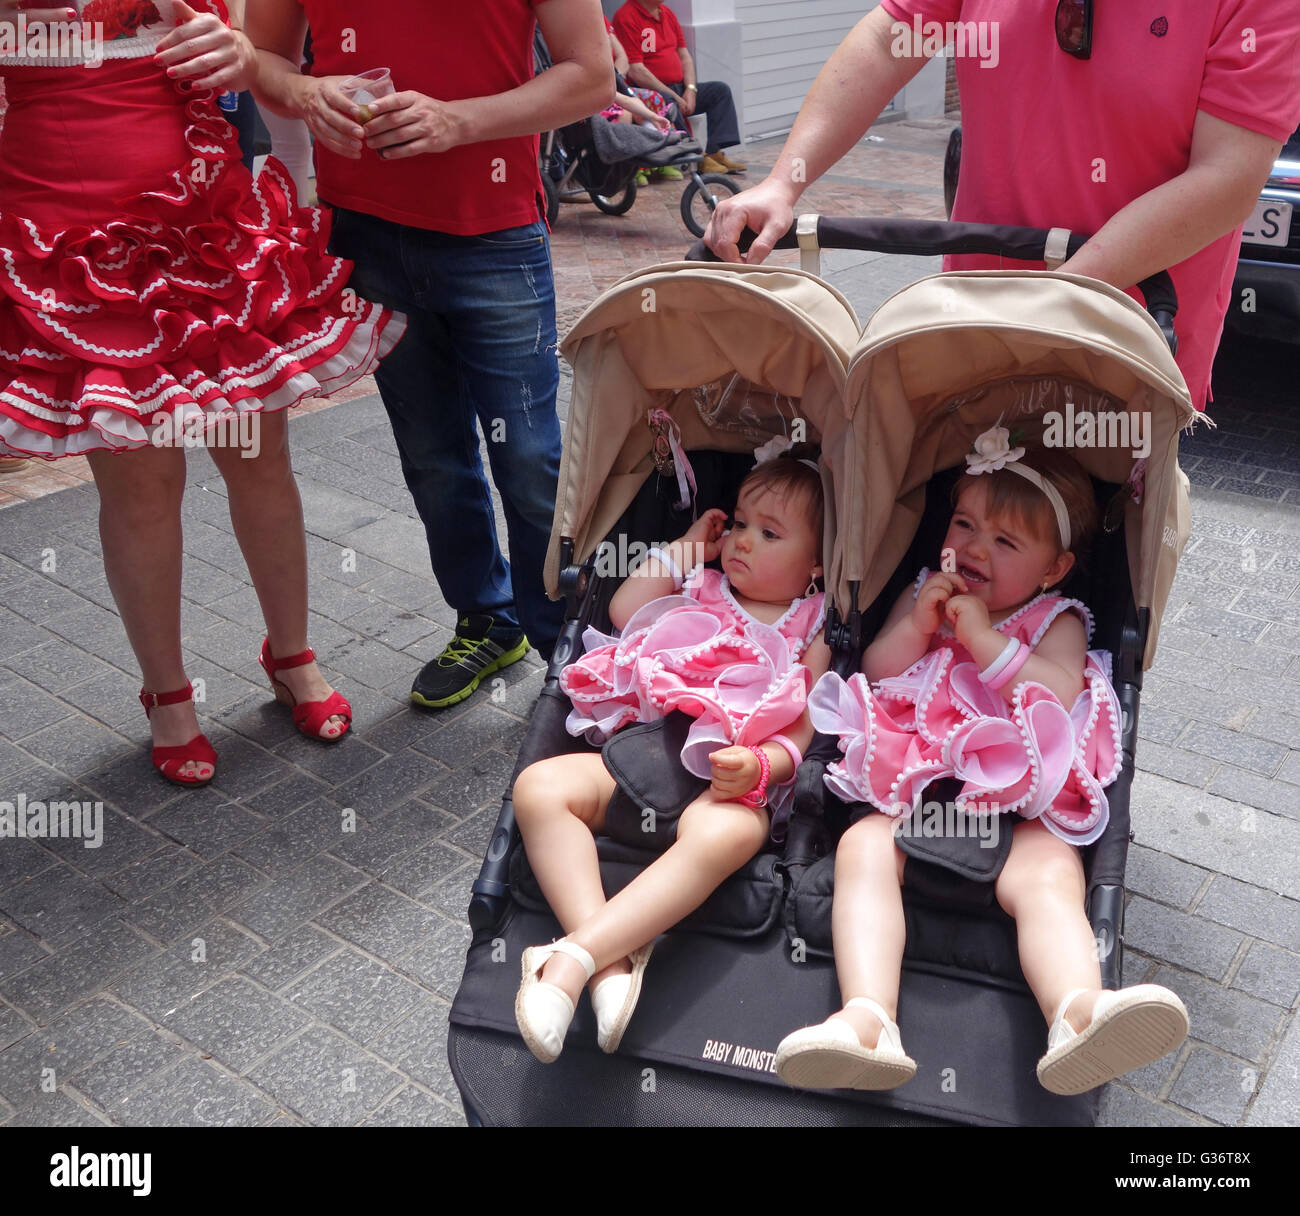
(170, 760)
(309, 716)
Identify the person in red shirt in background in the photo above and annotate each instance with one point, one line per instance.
(658, 59)
(437, 197)
(1149, 126)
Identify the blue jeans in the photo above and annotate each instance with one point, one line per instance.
(480, 349)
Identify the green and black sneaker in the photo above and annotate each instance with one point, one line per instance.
(469, 656)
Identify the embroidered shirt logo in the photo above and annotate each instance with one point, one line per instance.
(1160, 26)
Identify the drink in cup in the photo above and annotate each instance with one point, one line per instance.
(367, 87)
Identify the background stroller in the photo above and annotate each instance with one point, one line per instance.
(570, 161)
(934, 367)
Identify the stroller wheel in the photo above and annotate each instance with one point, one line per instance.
(619, 202)
(698, 203)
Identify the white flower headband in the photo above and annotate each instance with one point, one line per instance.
(778, 446)
(993, 451)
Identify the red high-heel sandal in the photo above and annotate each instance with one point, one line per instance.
(308, 716)
(170, 760)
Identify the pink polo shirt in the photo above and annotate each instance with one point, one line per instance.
(1053, 141)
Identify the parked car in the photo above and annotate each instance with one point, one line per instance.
(1266, 292)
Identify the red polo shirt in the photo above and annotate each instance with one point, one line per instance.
(652, 41)
(450, 52)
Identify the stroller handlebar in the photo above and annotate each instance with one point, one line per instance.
(928, 238)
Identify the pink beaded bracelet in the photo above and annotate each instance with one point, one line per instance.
(757, 797)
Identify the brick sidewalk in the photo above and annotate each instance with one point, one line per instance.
(232, 956)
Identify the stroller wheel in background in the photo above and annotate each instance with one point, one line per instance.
(618, 203)
(701, 197)
(552, 199)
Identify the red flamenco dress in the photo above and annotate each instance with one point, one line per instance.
(148, 285)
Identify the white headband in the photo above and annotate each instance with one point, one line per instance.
(778, 447)
(993, 451)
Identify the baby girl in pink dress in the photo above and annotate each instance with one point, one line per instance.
(737, 651)
(980, 674)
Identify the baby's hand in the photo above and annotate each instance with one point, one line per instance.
(969, 616)
(735, 771)
(938, 589)
(703, 538)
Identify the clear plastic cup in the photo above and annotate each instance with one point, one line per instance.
(366, 87)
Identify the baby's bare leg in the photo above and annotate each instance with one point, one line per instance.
(1042, 887)
(715, 837)
(867, 921)
(559, 806)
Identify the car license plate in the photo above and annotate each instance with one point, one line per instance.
(1269, 223)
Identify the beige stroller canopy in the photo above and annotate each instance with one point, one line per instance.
(654, 340)
(948, 357)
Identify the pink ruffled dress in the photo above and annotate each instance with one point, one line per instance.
(702, 653)
(937, 720)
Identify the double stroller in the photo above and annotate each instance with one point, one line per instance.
(737, 355)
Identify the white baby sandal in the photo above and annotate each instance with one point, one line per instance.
(1129, 1028)
(544, 1011)
(831, 1056)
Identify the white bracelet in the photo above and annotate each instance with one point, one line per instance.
(668, 564)
(994, 669)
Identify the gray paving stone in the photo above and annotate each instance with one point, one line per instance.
(1276, 726)
(394, 629)
(66, 1045)
(1267, 607)
(55, 666)
(1233, 747)
(1222, 1017)
(326, 1079)
(418, 872)
(1175, 763)
(236, 1022)
(290, 841)
(389, 784)
(355, 995)
(403, 729)
(56, 1110)
(1279, 797)
(418, 1046)
(1215, 621)
(1212, 832)
(194, 1094)
(257, 719)
(286, 796)
(1150, 1079)
(1163, 878)
(1275, 1105)
(1177, 697)
(438, 960)
(474, 834)
(412, 1107)
(132, 785)
(1290, 770)
(378, 843)
(300, 951)
(1159, 725)
(245, 767)
(13, 1026)
(330, 763)
(26, 709)
(1175, 937)
(59, 905)
(450, 895)
(170, 980)
(1215, 1086)
(22, 859)
(1255, 912)
(411, 592)
(372, 664)
(18, 951)
(126, 1067)
(478, 783)
(151, 874)
(195, 899)
(288, 902)
(1270, 973)
(209, 824)
(20, 635)
(380, 921)
(394, 540)
(1180, 638)
(77, 745)
(123, 842)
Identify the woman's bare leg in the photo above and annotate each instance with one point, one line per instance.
(140, 531)
(867, 921)
(266, 513)
(1042, 888)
